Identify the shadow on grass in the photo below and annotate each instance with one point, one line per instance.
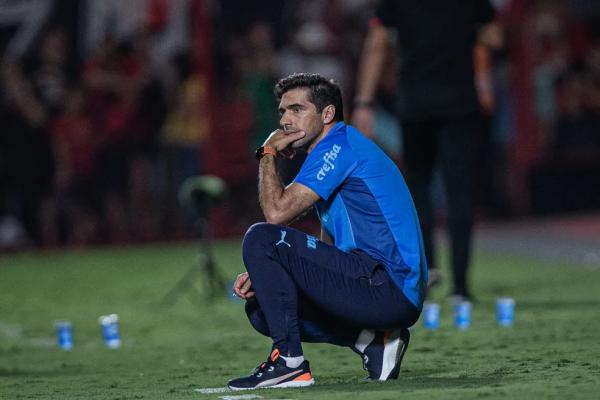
(60, 371)
(406, 383)
(557, 305)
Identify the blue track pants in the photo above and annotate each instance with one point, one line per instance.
(307, 290)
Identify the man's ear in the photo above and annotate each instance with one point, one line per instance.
(328, 114)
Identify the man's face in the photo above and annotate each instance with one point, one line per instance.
(299, 114)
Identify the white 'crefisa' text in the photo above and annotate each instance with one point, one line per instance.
(328, 160)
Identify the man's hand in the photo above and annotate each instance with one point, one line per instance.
(363, 119)
(242, 287)
(281, 141)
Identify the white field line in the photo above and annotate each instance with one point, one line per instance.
(13, 331)
(241, 396)
(10, 330)
(212, 390)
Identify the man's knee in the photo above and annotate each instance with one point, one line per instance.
(260, 229)
(257, 236)
(257, 318)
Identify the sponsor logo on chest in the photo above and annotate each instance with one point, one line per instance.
(328, 161)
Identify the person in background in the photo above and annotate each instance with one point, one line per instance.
(362, 285)
(77, 206)
(439, 110)
(185, 130)
(34, 94)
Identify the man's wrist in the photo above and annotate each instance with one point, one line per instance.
(265, 150)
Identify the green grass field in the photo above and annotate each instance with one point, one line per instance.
(553, 351)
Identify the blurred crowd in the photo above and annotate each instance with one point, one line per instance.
(566, 77)
(107, 107)
(563, 47)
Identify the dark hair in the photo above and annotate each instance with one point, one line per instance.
(322, 91)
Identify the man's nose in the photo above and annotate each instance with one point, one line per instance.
(284, 122)
(285, 119)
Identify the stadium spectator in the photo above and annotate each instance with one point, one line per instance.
(184, 133)
(108, 80)
(575, 126)
(360, 286)
(315, 43)
(439, 109)
(260, 71)
(76, 205)
(123, 100)
(149, 115)
(34, 94)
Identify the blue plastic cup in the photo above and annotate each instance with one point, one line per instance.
(64, 334)
(431, 316)
(462, 314)
(505, 311)
(110, 330)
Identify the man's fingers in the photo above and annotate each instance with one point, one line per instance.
(275, 132)
(246, 286)
(280, 140)
(295, 135)
(242, 287)
(239, 283)
(237, 292)
(288, 138)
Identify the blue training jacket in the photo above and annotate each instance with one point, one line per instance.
(365, 204)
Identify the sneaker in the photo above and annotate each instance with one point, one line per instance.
(274, 373)
(382, 352)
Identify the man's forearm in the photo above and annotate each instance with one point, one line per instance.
(371, 65)
(270, 188)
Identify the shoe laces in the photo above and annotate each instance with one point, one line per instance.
(268, 365)
(265, 366)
